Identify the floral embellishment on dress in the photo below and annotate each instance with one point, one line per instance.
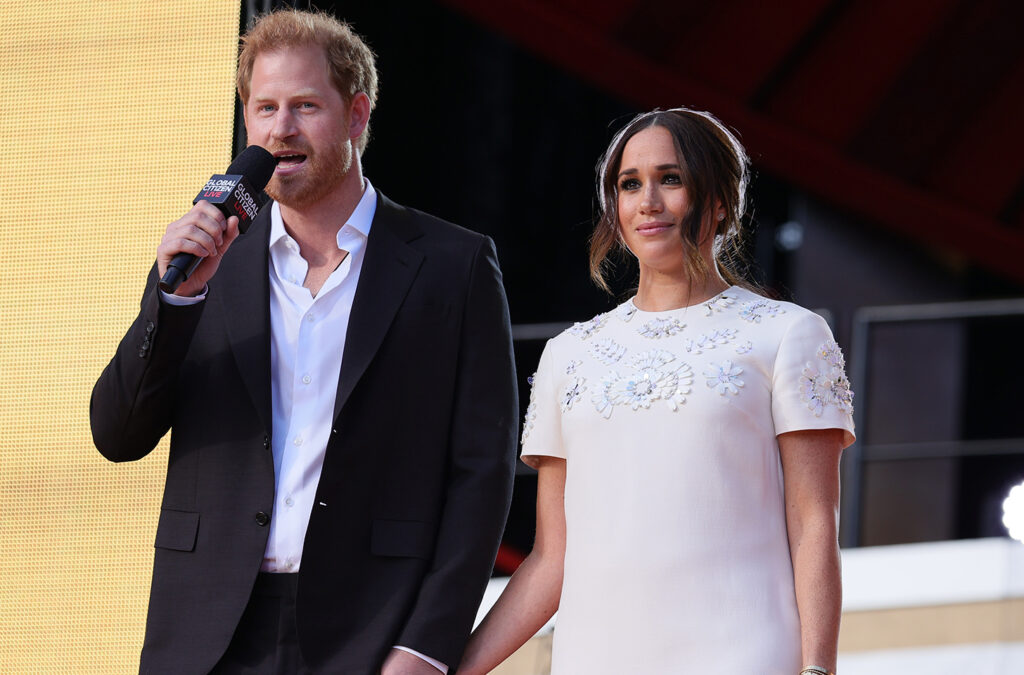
(754, 311)
(724, 378)
(585, 329)
(572, 366)
(531, 409)
(744, 347)
(652, 376)
(626, 311)
(711, 340)
(719, 303)
(573, 393)
(659, 328)
(830, 353)
(825, 384)
(607, 351)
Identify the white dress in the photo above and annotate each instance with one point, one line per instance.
(676, 555)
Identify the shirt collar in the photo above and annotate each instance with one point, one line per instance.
(361, 220)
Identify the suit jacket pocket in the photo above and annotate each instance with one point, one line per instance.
(177, 530)
(402, 538)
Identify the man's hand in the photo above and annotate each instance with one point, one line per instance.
(400, 662)
(204, 232)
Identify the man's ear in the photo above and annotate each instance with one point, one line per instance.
(358, 115)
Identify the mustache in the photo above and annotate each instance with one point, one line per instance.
(300, 149)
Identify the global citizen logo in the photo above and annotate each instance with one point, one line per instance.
(217, 188)
(244, 202)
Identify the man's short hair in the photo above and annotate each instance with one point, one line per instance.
(350, 62)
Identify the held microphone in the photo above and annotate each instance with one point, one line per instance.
(235, 193)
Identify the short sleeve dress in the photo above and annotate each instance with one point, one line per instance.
(677, 559)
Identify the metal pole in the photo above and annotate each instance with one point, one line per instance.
(853, 460)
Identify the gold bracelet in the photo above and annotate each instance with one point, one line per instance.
(816, 670)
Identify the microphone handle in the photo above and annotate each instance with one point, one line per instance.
(179, 269)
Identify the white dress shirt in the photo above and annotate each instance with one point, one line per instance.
(307, 339)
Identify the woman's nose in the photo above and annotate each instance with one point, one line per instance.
(651, 201)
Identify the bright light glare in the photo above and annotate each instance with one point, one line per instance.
(1013, 512)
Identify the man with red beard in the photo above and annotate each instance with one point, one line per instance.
(340, 389)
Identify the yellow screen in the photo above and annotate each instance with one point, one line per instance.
(112, 116)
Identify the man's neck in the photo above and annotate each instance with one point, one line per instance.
(315, 227)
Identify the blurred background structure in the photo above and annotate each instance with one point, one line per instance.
(888, 148)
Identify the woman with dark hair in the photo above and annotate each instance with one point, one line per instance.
(687, 443)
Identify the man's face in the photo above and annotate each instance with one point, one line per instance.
(295, 112)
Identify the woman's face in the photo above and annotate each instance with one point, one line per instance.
(652, 200)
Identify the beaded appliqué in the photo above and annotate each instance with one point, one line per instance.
(531, 409)
(754, 311)
(653, 376)
(659, 328)
(571, 367)
(626, 311)
(719, 303)
(585, 329)
(711, 340)
(826, 383)
(573, 393)
(607, 351)
(830, 353)
(724, 378)
(744, 347)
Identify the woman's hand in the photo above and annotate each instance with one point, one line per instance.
(533, 592)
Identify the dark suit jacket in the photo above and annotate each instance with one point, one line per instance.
(417, 476)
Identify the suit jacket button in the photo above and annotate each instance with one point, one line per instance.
(262, 519)
(266, 442)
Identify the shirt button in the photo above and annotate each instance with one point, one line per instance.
(311, 317)
(289, 501)
(297, 441)
(306, 379)
(262, 519)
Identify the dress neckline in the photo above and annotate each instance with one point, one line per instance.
(630, 305)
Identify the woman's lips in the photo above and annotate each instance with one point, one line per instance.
(653, 228)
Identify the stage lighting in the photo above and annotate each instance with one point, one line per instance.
(1013, 512)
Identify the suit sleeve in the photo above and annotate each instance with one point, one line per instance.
(132, 402)
(481, 469)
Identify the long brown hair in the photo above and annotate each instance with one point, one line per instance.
(715, 169)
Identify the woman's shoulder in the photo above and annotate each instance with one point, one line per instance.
(759, 310)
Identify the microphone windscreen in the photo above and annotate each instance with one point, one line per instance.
(256, 164)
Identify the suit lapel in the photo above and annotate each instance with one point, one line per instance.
(389, 268)
(241, 287)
